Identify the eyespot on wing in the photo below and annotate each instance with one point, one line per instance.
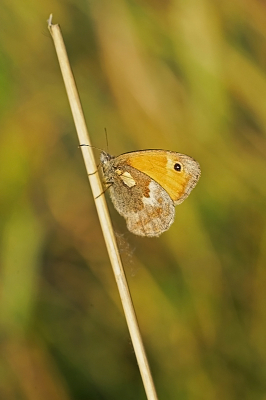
(161, 165)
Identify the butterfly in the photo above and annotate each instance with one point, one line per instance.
(146, 185)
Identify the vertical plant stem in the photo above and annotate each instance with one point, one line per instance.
(102, 210)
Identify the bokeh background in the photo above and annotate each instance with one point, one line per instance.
(183, 75)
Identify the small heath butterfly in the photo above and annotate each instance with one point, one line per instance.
(145, 186)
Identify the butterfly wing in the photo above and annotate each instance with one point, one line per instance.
(144, 204)
(163, 167)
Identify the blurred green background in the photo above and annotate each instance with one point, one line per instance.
(183, 75)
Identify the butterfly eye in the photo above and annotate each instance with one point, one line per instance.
(177, 167)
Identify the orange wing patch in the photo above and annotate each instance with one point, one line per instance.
(159, 165)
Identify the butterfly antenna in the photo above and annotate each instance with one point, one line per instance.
(106, 138)
(89, 145)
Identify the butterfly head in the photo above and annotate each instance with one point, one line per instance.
(105, 158)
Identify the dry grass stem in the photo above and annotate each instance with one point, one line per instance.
(102, 210)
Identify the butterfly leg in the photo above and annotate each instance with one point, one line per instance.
(107, 183)
(93, 173)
